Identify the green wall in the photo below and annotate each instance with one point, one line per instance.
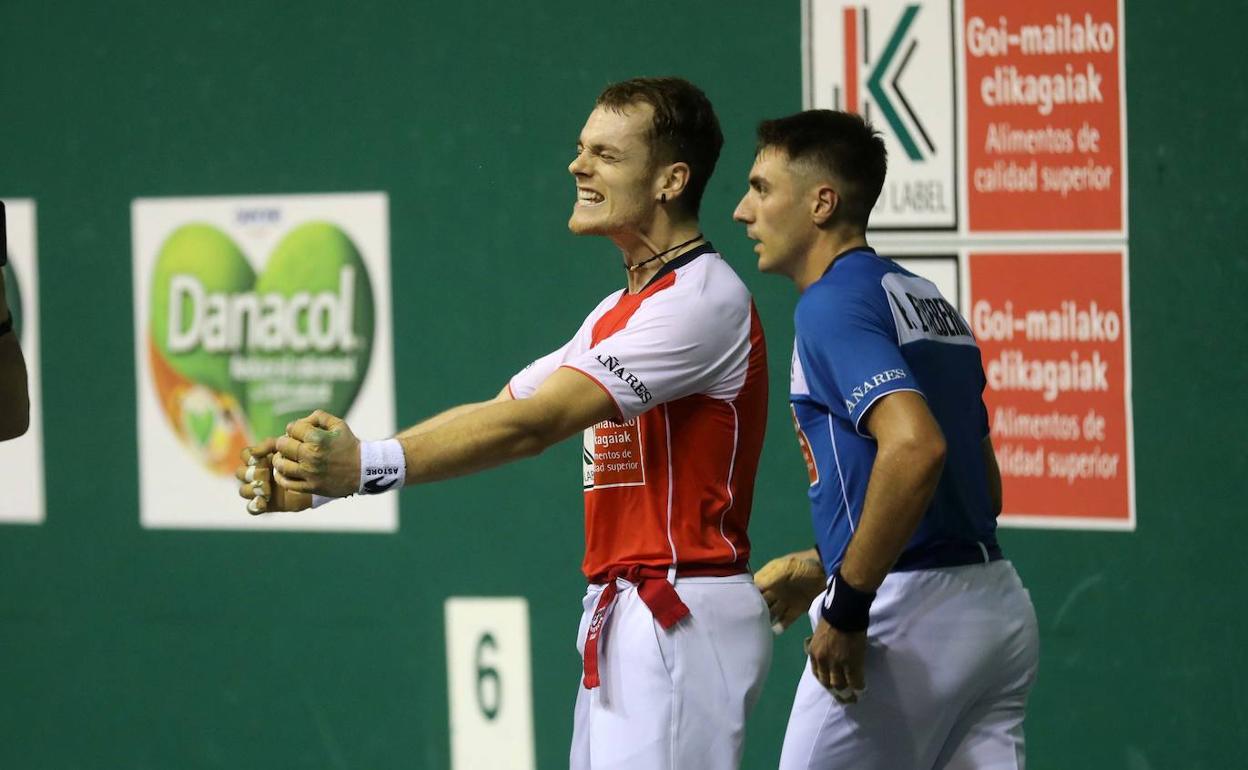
(124, 647)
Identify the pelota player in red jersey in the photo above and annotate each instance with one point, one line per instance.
(667, 378)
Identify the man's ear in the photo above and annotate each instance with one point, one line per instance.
(824, 205)
(673, 181)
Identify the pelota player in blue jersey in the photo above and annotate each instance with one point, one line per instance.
(907, 589)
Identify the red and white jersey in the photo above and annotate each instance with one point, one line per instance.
(670, 483)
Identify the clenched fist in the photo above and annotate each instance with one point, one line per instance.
(256, 483)
(789, 584)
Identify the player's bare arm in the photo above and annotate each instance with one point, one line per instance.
(255, 475)
(14, 393)
(907, 468)
(454, 412)
(908, 463)
(320, 454)
(789, 584)
(994, 475)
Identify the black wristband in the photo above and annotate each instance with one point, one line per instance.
(6, 325)
(845, 608)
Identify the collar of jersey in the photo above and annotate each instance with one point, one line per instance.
(837, 258)
(679, 262)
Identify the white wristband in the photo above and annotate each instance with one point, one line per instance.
(382, 466)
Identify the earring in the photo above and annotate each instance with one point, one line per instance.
(663, 198)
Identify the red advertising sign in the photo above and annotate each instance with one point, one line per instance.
(1005, 125)
(1044, 116)
(1055, 338)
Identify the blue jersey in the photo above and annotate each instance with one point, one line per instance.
(865, 329)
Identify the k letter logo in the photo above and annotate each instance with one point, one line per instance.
(892, 62)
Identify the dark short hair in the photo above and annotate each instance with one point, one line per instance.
(685, 128)
(840, 143)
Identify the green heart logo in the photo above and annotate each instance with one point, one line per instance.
(200, 424)
(262, 349)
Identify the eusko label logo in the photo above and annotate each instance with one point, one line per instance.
(891, 61)
(887, 94)
(255, 313)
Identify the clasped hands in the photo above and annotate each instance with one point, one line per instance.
(789, 584)
(318, 455)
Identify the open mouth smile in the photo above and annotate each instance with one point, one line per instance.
(586, 197)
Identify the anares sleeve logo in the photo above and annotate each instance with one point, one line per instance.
(235, 355)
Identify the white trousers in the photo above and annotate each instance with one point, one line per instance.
(676, 698)
(951, 657)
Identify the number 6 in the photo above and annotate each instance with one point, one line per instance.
(487, 673)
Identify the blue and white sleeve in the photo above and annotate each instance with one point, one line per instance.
(850, 351)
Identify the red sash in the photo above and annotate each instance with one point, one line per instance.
(657, 593)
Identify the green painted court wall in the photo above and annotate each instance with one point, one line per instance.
(129, 648)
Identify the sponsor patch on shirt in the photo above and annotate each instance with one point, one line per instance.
(812, 469)
(860, 392)
(921, 313)
(797, 375)
(612, 455)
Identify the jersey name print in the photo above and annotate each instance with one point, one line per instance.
(921, 313)
(857, 393)
(613, 365)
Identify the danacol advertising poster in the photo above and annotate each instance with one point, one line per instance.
(251, 312)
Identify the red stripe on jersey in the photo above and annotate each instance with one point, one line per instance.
(752, 404)
(617, 317)
(716, 447)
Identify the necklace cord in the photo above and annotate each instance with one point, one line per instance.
(644, 262)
